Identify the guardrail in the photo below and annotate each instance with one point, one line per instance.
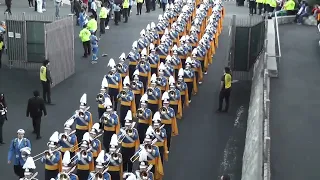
(278, 39)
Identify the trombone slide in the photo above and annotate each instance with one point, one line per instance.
(135, 156)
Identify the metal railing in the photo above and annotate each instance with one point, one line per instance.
(278, 38)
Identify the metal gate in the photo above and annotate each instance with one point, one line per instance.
(59, 48)
(31, 39)
(246, 43)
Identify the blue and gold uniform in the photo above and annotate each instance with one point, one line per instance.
(162, 143)
(83, 121)
(190, 79)
(111, 125)
(70, 143)
(100, 100)
(193, 40)
(153, 59)
(196, 66)
(150, 175)
(184, 92)
(96, 148)
(202, 50)
(169, 70)
(154, 99)
(162, 50)
(174, 34)
(84, 163)
(53, 164)
(170, 124)
(182, 53)
(144, 115)
(176, 103)
(133, 58)
(127, 103)
(162, 83)
(161, 26)
(129, 145)
(106, 176)
(123, 70)
(138, 91)
(154, 33)
(176, 63)
(144, 69)
(115, 166)
(115, 86)
(15, 154)
(142, 42)
(71, 176)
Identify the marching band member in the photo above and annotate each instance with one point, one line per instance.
(202, 50)
(193, 37)
(176, 61)
(67, 169)
(101, 97)
(196, 66)
(166, 38)
(126, 97)
(133, 57)
(149, 37)
(152, 155)
(129, 176)
(154, 33)
(100, 173)
(83, 118)
(175, 98)
(170, 14)
(95, 142)
(28, 167)
(83, 159)
(129, 139)
(162, 81)
(17, 144)
(52, 158)
(142, 42)
(161, 26)
(160, 133)
(174, 34)
(114, 159)
(190, 78)
(144, 69)
(154, 95)
(114, 83)
(137, 87)
(163, 49)
(153, 59)
(169, 70)
(183, 88)
(122, 67)
(144, 171)
(182, 51)
(110, 123)
(144, 116)
(68, 140)
(168, 118)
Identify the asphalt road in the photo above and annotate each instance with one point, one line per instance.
(209, 144)
(295, 106)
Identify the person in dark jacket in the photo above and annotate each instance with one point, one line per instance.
(36, 108)
(3, 115)
(8, 4)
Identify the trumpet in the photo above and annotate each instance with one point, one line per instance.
(163, 110)
(142, 62)
(75, 150)
(128, 131)
(106, 119)
(172, 93)
(140, 112)
(100, 98)
(150, 91)
(110, 73)
(133, 85)
(179, 83)
(159, 79)
(64, 136)
(123, 93)
(119, 67)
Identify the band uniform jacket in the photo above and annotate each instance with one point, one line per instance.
(70, 144)
(155, 97)
(146, 117)
(163, 84)
(184, 92)
(176, 100)
(154, 60)
(189, 76)
(138, 89)
(54, 162)
(115, 165)
(193, 39)
(106, 176)
(196, 66)
(170, 119)
(84, 163)
(155, 36)
(71, 175)
(112, 124)
(202, 55)
(133, 57)
(36, 107)
(176, 63)
(114, 81)
(128, 100)
(124, 70)
(174, 36)
(130, 141)
(155, 159)
(145, 70)
(101, 104)
(84, 123)
(182, 52)
(142, 43)
(162, 142)
(14, 150)
(96, 147)
(150, 175)
(162, 50)
(169, 71)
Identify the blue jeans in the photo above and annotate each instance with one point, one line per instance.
(302, 16)
(95, 53)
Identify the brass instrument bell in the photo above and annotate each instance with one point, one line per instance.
(142, 62)
(110, 73)
(140, 112)
(163, 110)
(81, 114)
(84, 153)
(133, 84)
(144, 175)
(148, 147)
(150, 91)
(100, 97)
(157, 131)
(123, 93)
(119, 66)
(99, 176)
(115, 156)
(159, 80)
(129, 132)
(64, 176)
(172, 93)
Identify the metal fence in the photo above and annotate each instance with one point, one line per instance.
(246, 43)
(31, 39)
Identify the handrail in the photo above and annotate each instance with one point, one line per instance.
(278, 38)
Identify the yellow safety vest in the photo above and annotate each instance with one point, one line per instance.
(103, 13)
(43, 73)
(1, 45)
(92, 25)
(227, 81)
(125, 4)
(84, 35)
(259, 1)
(289, 5)
(139, 1)
(273, 3)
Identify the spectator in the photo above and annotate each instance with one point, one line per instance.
(316, 10)
(8, 4)
(57, 4)
(94, 8)
(46, 81)
(117, 15)
(84, 35)
(2, 47)
(3, 118)
(30, 3)
(163, 5)
(35, 110)
(139, 6)
(303, 12)
(83, 19)
(3, 103)
(103, 17)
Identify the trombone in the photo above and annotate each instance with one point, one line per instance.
(46, 152)
(123, 93)
(91, 140)
(82, 153)
(128, 131)
(99, 175)
(119, 67)
(157, 131)
(159, 79)
(144, 173)
(133, 84)
(150, 91)
(140, 112)
(148, 148)
(64, 136)
(172, 94)
(163, 110)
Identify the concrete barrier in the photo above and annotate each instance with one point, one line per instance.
(286, 19)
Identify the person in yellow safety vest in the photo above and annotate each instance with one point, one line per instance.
(125, 10)
(103, 18)
(46, 81)
(92, 24)
(139, 6)
(272, 4)
(84, 35)
(289, 7)
(1, 49)
(260, 4)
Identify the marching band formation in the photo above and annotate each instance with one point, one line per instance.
(165, 67)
